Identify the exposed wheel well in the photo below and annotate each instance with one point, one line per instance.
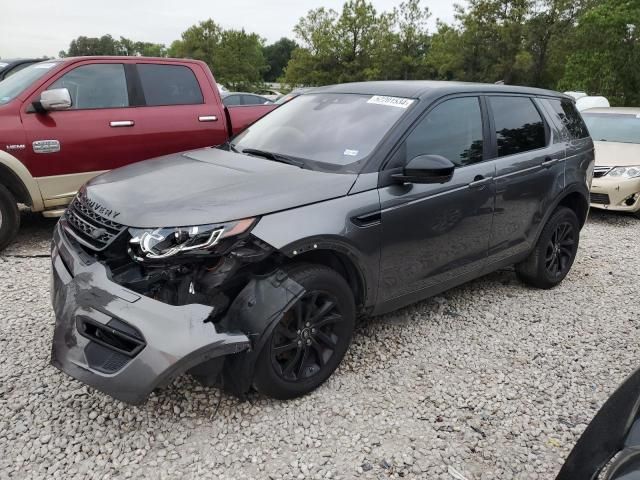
(342, 264)
(578, 203)
(10, 180)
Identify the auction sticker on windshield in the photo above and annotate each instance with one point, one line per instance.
(391, 101)
(44, 65)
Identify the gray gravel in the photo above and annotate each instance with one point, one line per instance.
(492, 380)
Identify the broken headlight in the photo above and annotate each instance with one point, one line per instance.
(159, 243)
(624, 172)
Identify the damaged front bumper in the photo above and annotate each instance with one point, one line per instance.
(126, 344)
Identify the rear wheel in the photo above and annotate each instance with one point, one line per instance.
(552, 257)
(312, 337)
(9, 217)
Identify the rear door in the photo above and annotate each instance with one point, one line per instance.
(178, 111)
(529, 172)
(437, 235)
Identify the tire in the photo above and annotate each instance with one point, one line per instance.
(554, 253)
(299, 355)
(9, 217)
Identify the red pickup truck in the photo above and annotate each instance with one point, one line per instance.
(64, 121)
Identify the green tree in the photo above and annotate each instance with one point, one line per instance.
(277, 56)
(234, 56)
(606, 52)
(107, 45)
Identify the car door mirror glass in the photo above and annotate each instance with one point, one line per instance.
(426, 169)
(55, 99)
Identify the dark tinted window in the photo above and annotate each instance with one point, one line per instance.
(169, 85)
(253, 100)
(570, 117)
(453, 130)
(519, 126)
(231, 100)
(101, 85)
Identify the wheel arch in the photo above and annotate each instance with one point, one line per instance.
(338, 257)
(15, 176)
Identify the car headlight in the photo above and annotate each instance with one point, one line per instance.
(624, 172)
(158, 243)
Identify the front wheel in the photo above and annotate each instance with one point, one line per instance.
(552, 257)
(9, 217)
(312, 337)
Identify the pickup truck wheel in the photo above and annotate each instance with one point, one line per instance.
(9, 217)
(311, 339)
(553, 255)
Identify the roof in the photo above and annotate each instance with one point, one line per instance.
(125, 57)
(614, 110)
(429, 88)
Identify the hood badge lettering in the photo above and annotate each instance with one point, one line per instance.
(98, 208)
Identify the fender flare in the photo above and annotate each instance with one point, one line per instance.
(23, 175)
(573, 188)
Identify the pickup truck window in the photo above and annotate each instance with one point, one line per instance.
(334, 131)
(169, 85)
(14, 85)
(101, 85)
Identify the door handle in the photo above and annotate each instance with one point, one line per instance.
(479, 182)
(122, 123)
(549, 162)
(207, 118)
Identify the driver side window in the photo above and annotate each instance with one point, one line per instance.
(101, 85)
(453, 129)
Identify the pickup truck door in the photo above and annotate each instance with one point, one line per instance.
(66, 148)
(121, 113)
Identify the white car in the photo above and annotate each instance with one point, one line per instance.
(616, 176)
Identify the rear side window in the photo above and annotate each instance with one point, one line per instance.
(570, 117)
(101, 85)
(519, 126)
(232, 100)
(452, 129)
(169, 85)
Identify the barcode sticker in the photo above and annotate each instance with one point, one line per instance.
(399, 102)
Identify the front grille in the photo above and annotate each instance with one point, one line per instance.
(601, 198)
(90, 228)
(600, 171)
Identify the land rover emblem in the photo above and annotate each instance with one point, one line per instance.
(96, 233)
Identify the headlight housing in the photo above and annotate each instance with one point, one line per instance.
(624, 172)
(165, 242)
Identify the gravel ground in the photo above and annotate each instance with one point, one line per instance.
(492, 380)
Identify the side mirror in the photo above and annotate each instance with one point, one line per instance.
(426, 169)
(55, 99)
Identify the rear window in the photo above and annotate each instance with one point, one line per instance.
(606, 127)
(570, 118)
(519, 126)
(169, 85)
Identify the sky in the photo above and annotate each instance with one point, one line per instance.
(44, 27)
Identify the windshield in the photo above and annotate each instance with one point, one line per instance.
(14, 85)
(336, 130)
(607, 127)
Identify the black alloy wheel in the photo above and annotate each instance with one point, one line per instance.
(311, 338)
(307, 336)
(561, 249)
(554, 252)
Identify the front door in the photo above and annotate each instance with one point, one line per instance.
(437, 235)
(68, 147)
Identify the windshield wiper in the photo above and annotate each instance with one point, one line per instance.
(277, 157)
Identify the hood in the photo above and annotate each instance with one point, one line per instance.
(613, 154)
(208, 186)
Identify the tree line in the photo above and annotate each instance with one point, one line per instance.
(590, 45)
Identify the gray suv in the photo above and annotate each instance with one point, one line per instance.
(247, 265)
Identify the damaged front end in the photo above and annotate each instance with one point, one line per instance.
(135, 308)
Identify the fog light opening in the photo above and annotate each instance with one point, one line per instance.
(631, 200)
